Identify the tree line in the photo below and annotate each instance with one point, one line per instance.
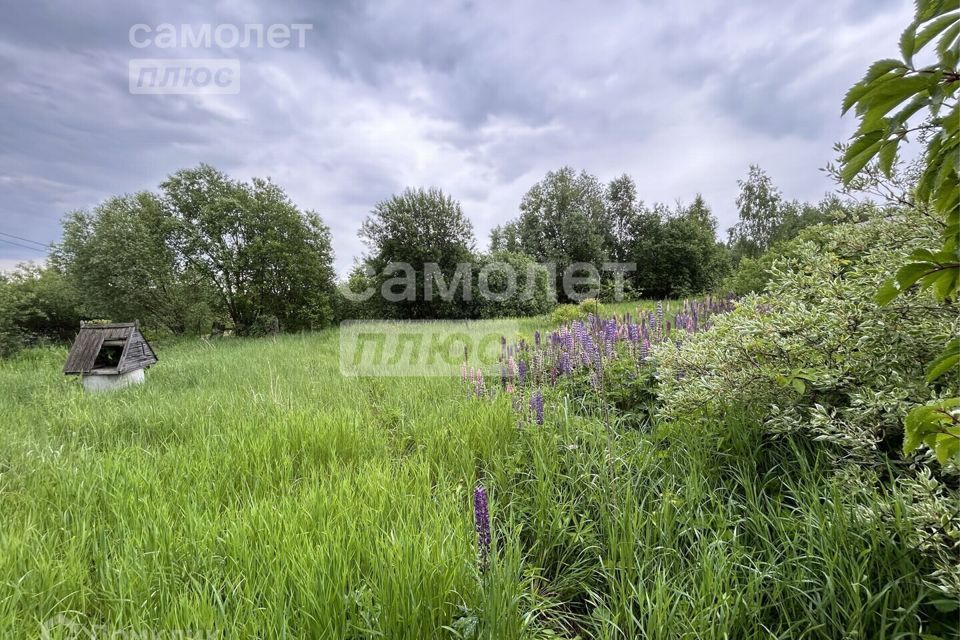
(206, 252)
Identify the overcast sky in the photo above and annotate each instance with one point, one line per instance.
(480, 99)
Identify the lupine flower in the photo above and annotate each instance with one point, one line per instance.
(522, 371)
(481, 516)
(610, 335)
(536, 404)
(479, 387)
(536, 338)
(566, 366)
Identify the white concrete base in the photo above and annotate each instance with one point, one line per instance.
(98, 383)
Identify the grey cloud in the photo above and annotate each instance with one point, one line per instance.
(480, 99)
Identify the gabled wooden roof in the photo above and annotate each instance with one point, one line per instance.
(137, 352)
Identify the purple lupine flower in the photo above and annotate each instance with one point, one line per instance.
(522, 371)
(566, 366)
(586, 344)
(536, 404)
(481, 517)
(579, 332)
(479, 387)
(536, 338)
(610, 335)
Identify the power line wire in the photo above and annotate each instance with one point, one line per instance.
(10, 235)
(23, 246)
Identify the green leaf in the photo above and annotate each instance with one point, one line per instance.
(887, 292)
(886, 157)
(947, 172)
(799, 385)
(946, 447)
(945, 43)
(923, 255)
(907, 43)
(947, 361)
(873, 79)
(936, 425)
(900, 118)
(908, 274)
(860, 144)
(853, 166)
(932, 30)
(897, 89)
(945, 283)
(925, 182)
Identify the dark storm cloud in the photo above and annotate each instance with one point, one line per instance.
(480, 99)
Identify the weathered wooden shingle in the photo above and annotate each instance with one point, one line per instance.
(137, 353)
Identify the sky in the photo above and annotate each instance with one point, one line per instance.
(480, 99)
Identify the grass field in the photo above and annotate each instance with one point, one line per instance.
(248, 490)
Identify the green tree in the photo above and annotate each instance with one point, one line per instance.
(622, 207)
(505, 237)
(418, 229)
(896, 99)
(761, 212)
(690, 253)
(37, 304)
(494, 297)
(563, 221)
(676, 252)
(646, 236)
(260, 254)
(120, 259)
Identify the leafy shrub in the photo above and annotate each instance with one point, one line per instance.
(531, 294)
(265, 325)
(591, 305)
(751, 275)
(37, 305)
(566, 313)
(816, 356)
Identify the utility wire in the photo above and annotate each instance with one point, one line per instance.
(23, 246)
(10, 235)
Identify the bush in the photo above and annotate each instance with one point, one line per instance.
(531, 296)
(591, 305)
(751, 275)
(817, 357)
(566, 313)
(37, 305)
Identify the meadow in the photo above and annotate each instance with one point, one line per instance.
(249, 490)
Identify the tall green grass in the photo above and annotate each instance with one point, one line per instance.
(248, 490)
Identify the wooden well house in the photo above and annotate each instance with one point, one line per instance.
(109, 356)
